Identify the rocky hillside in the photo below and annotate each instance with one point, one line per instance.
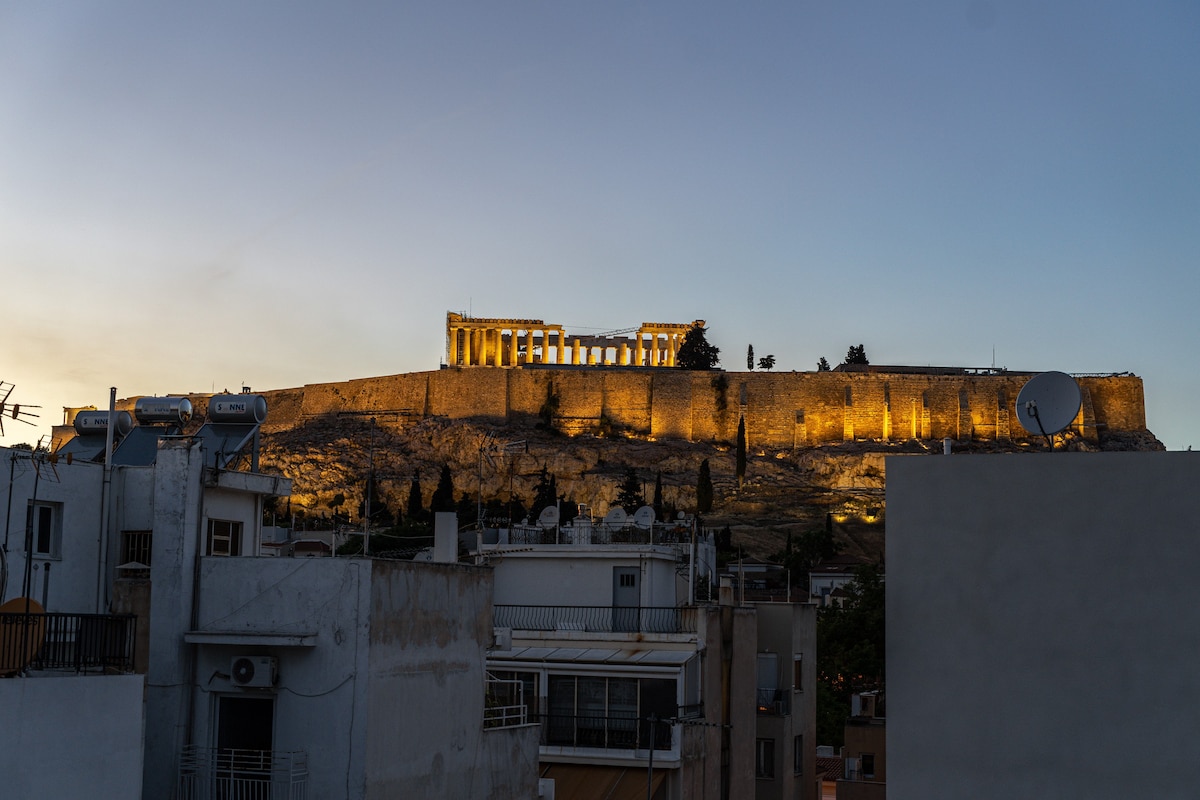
(784, 491)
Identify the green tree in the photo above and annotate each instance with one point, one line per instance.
(741, 450)
(415, 510)
(822, 365)
(658, 497)
(629, 495)
(695, 352)
(468, 510)
(856, 355)
(704, 489)
(850, 651)
(443, 495)
(750, 357)
(767, 362)
(545, 494)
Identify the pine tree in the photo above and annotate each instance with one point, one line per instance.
(856, 355)
(767, 362)
(695, 352)
(822, 365)
(629, 494)
(443, 495)
(658, 497)
(704, 489)
(545, 494)
(415, 510)
(750, 357)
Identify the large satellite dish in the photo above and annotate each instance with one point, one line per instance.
(1048, 403)
(644, 518)
(616, 518)
(548, 518)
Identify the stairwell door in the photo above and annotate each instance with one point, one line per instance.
(627, 597)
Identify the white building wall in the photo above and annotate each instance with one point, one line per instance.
(321, 698)
(71, 737)
(582, 576)
(1043, 620)
(75, 489)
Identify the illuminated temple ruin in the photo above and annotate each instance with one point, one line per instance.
(495, 342)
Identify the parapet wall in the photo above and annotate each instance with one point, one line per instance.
(782, 410)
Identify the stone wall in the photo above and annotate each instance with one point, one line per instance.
(782, 410)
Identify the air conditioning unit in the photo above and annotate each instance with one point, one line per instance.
(253, 672)
(502, 639)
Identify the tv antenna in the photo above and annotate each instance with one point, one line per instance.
(1048, 403)
(15, 410)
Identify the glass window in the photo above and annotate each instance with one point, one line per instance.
(764, 759)
(798, 672)
(224, 538)
(868, 765)
(798, 755)
(45, 525)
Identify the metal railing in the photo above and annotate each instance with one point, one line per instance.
(610, 733)
(210, 773)
(600, 533)
(597, 619)
(504, 703)
(79, 642)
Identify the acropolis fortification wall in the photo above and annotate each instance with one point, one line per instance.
(782, 410)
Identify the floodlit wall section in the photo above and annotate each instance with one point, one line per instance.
(1043, 617)
(782, 410)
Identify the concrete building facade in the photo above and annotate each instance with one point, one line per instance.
(1040, 636)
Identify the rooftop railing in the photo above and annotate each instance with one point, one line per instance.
(597, 619)
(600, 534)
(77, 642)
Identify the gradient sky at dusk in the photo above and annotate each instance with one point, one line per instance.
(200, 196)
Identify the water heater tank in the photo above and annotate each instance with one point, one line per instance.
(91, 423)
(249, 408)
(162, 409)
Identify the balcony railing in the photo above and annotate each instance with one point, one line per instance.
(774, 702)
(597, 619)
(610, 733)
(78, 642)
(209, 773)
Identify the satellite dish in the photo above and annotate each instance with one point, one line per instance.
(616, 518)
(1048, 403)
(23, 636)
(644, 518)
(548, 518)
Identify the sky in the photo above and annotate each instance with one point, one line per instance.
(196, 197)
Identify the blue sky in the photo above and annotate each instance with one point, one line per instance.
(200, 196)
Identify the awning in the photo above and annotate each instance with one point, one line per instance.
(576, 655)
(587, 782)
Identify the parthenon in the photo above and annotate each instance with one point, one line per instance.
(497, 342)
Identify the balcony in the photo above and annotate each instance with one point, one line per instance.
(773, 702)
(597, 619)
(75, 642)
(209, 773)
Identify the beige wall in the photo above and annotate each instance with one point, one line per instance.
(782, 409)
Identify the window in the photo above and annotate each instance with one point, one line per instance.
(798, 672)
(224, 538)
(764, 759)
(589, 711)
(627, 580)
(867, 760)
(135, 547)
(44, 521)
(798, 755)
